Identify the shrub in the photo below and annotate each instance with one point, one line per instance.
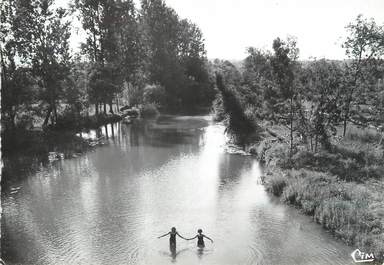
(154, 94)
(276, 184)
(350, 165)
(218, 109)
(148, 110)
(69, 119)
(25, 122)
(363, 135)
(279, 154)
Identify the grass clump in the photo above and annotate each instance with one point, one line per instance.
(276, 184)
(351, 211)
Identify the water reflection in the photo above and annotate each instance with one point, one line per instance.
(108, 206)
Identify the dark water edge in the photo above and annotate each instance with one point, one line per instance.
(26, 152)
(37, 149)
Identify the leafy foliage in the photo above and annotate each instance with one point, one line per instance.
(124, 52)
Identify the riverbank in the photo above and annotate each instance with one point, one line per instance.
(341, 189)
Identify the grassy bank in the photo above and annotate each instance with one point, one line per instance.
(342, 189)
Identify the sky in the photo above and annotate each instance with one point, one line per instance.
(230, 26)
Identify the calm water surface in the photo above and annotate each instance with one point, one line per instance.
(108, 206)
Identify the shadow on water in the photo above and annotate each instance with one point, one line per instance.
(49, 149)
(40, 153)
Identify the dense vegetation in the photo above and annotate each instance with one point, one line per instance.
(147, 57)
(321, 125)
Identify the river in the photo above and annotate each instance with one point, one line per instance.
(109, 205)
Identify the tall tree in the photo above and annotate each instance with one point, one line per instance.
(161, 33)
(175, 55)
(130, 50)
(113, 42)
(198, 90)
(42, 40)
(259, 78)
(95, 17)
(238, 124)
(364, 44)
(320, 112)
(284, 62)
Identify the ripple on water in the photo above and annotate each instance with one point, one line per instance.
(108, 207)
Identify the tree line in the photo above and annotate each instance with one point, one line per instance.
(146, 55)
(312, 99)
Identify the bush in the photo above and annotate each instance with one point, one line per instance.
(218, 109)
(25, 122)
(148, 110)
(347, 164)
(363, 135)
(69, 119)
(276, 183)
(154, 94)
(278, 155)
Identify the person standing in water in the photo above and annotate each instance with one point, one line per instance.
(172, 237)
(200, 238)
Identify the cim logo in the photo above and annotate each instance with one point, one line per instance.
(360, 256)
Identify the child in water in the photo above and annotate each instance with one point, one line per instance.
(200, 238)
(172, 236)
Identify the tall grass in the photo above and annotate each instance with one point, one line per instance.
(344, 208)
(276, 183)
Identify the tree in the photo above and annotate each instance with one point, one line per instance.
(284, 64)
(76, 87)
(113, 42)
(130, 43)
(102, 85)
(175, 56)
(131, 52)
(90, 16)
(321, 108)
(263, 92)
(17, 82)
(363, 46)
(238, 124)
(161, 33)
(198, 90)
(42, 40)
(17, 94)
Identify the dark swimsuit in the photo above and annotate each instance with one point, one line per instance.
(172, 239)
(200, 241)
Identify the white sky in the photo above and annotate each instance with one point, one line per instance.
(229, 26)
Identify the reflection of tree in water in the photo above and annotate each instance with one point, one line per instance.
(141, 133)
(22, 162)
